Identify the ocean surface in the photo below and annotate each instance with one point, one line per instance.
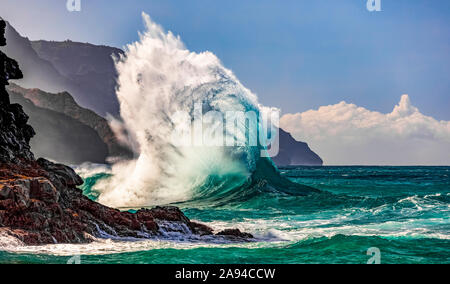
(404, 212)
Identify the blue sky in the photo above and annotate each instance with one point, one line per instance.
(295, 54)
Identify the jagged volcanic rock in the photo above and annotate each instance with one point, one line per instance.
(15, 134)
(235, 233)
(41, 204)
(2, 33)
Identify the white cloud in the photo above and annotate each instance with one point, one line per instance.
(347, 134)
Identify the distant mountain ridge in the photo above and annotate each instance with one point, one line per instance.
(60, 137)
(89, 66)
(64, 104)
(295, 153)
(39, 72)
(84, 70)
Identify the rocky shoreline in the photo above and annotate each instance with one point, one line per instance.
(41, 204)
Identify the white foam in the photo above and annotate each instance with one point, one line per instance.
(8, 241)
(87, 170)
(273, 233)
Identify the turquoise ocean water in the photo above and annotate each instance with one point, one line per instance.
(402, 211)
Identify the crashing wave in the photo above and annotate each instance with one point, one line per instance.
(159, 79)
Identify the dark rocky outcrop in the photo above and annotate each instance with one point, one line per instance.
(40, 202)
(15, 133)
(235, 233)
(295, 153)
(2, 32)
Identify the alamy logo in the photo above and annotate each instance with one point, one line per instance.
(229, 129)
(73, 5)
(375, 254)
(374, 5)
(74, 260)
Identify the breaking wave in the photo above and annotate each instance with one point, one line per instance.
(159, 80)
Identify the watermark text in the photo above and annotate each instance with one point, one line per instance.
(73, 5)
(374, 5)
